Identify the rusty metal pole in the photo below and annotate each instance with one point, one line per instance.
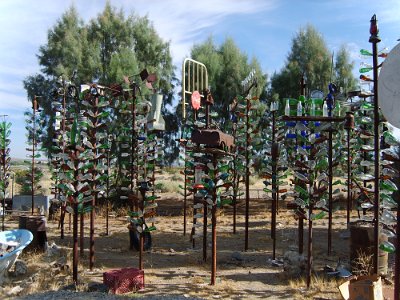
(94, 196)
(235, 181)
(330, 178)
(63, 125)
(184, 189)
(205, 231)
(274, 153)
(247, 179)
(374, 39)
(75, 244)
(33, 153)
(349, 125)
(141, 234)
(82, 234)
(310, 237)
(214, 232)
(133, 143)
(273, 217)
(75, 257)
(108, 187)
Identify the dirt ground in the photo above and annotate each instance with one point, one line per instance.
(174, 268)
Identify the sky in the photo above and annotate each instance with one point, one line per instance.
(261, 28)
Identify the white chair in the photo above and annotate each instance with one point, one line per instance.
(20, 238)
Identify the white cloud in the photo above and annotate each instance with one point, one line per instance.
(10, 101)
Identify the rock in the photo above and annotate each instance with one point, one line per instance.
(15, 291)
(53, 250)
(294, 263)
(237, 256)
(171, 250)
(60, 264)
(20, 268)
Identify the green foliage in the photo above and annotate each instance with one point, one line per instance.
(227, 67)
(343, 70)
(23, 178)
(107, 48)
(310, 56)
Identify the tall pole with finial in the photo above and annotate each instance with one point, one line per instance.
(374, 39)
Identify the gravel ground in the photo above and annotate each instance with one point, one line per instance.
(70, 295)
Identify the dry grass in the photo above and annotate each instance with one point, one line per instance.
(363, 264)
(319, 286)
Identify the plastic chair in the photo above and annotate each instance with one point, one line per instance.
(22, 237)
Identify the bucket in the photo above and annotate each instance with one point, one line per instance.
(36, 225)
(362, 242)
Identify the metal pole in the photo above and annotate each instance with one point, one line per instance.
(374, 39)
(94, 196)
(75, 242)
(33, 154)
(214, 232)
(235, 181)
(330, 178)
(141, 248)
(63, 125)
(75, 225)
(82, 234)
(310, 237)
(247, 180)
(349, 198)
(184, 191)
(205, 231)
(274, 186)
(108, 187)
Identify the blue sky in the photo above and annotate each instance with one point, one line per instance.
(261, 28)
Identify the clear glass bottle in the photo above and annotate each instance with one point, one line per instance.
(299, 109)
(325, 109)
(312, 109)
(287, 108)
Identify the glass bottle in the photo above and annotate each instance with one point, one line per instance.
(312, 110)
(325, 109)
(287, 108)
(299, 109)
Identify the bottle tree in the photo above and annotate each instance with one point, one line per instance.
(374, 139)
(95, 101)
(72, 186)
(4, 164)
(274, 165)
(212, 186)
(34, 119)
(237, 165)
(64, 97)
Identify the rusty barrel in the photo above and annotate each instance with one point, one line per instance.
(362, 244)
(36, 225)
